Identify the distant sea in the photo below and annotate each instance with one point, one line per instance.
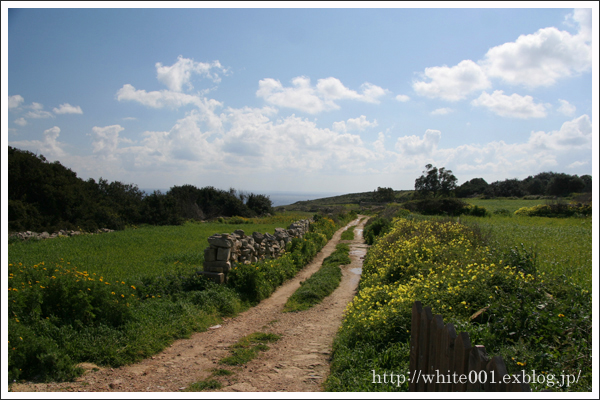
(278, 198)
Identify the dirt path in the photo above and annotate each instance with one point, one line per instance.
(299, 361)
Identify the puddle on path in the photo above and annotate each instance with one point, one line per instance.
(356, 271)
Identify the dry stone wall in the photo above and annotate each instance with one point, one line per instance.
(226, 249)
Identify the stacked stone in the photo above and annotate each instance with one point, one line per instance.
(45, 235)
(226, 249)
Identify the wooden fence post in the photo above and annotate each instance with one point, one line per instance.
(496, 370)
(478, 360)
(426, 318)
(435, 330)
(447, 364)
(462, 347)
(417, 309)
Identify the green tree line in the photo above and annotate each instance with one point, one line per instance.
(47, 196)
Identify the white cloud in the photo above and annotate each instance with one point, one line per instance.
(414, 145)
(441, 111)
(303, 96)
(21, 121)
(15, 101)
(50, 147)
(514, 106)
(106, 139)
(402, 98)
(371, 93)
(539, 59)
(165, 98)
(573, 135)
(38, 111)
(577, 164)
(452, 83)
(359, 124)
(583, 19)
(179, 74)
(66, 108)
(566, 108)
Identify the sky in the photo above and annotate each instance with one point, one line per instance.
(302, 99)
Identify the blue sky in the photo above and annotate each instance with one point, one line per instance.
(304, 100)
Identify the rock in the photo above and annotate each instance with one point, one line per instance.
(219, 241)
(258, 237)
(223, 253)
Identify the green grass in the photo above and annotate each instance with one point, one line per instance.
(248, 347)
(133, 254)
(563, 246)
(511, 205)
(322, 283)
(207, 384)
(348, 234)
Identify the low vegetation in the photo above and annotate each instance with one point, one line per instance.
(248, 347)
(117, 298)
(532, 319)
(322, 283)
(348, 234)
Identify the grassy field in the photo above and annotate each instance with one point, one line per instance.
(508, 204)
(563, 246)
(134, 253)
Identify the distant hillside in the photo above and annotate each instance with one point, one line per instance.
(345, 200)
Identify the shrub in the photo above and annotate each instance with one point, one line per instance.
(374, 228)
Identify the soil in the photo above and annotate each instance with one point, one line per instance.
(298, 362)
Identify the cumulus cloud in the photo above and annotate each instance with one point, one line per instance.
(66, 108)
(541, 58)
(315, 99)
(573, 135)
(414, 145)
(532, 60)
(49, 146)
(402, 98)
(21, 121)
(566, 108)
(361, 123)
(166, 98)
(577, 164)
(441, 111)
(452, 83)
(38, 111)
(301, 96)
(15, 101)
(106, 139)
(514, 106)
(179, 74)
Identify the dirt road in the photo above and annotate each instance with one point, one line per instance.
(298, 362)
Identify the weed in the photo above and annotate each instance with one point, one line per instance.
(208, 384)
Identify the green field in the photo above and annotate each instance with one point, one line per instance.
(134, 253)
(563, 245)
(508, 204)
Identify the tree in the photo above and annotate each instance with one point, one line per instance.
(434, 182)
(260, 204)
(384, 195)
(471, 188)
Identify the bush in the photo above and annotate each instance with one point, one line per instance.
(374, 228)
(437, 206)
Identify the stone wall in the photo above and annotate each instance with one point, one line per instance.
(226, 249)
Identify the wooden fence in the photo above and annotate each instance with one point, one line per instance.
(443, 361)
